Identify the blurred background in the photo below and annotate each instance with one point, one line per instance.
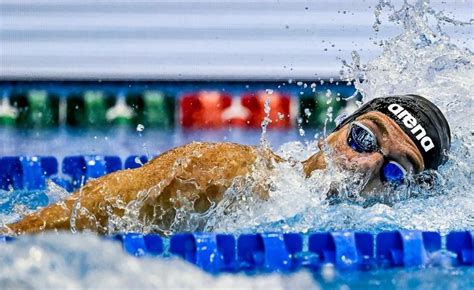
(140, 77)
(88, 87)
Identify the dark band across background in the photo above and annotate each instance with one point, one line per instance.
(164, 105)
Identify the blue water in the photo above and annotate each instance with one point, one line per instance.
(82, 261)
(126, 141)
(422, 60)
(76, 260)
(30, 199)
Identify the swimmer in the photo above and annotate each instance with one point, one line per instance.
(386, 140)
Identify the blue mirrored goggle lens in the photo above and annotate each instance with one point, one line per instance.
(393, 173)
(361, 139)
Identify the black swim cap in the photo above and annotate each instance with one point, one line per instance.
(421, 120)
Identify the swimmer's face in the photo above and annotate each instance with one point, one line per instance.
(394, 145)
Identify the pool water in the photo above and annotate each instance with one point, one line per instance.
(125, 141)
(421, 59)
(82, 261)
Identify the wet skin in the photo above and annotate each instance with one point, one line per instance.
(197, 175)
(392, 140)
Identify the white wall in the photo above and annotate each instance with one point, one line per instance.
(209, 39)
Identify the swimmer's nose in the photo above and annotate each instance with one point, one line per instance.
(370, 163)
(371, 168)
(365, 163)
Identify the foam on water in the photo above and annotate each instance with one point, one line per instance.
(82, 261)
(61, 261)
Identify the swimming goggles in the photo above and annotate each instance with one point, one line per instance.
(362, 140)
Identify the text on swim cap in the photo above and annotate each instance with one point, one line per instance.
(411, 123)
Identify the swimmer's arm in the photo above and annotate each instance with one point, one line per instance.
(53, 217)
(89, 205)
(160, 178)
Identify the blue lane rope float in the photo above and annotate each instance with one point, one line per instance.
(269, 251)
(83, 167)
(5, 239)
(32, 172)
(462, 244)
(26, 172)
(281, 252)
(135, 161)
(139, 245)
(213, 253)
(406, 248)
(347, 250)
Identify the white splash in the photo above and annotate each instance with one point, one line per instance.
(421, 60)
(65, 261)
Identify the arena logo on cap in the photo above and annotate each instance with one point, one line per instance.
(411, 123)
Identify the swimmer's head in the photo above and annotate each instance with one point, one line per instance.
(389, 138)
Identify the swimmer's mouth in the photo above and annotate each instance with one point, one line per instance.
(357, 189)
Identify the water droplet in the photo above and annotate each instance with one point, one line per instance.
(137, 160)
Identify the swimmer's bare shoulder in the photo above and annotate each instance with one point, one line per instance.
(197, 173)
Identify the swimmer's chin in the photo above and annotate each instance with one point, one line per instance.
(354, 189)
(318, 162)
(336, 195)
(362, 193)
